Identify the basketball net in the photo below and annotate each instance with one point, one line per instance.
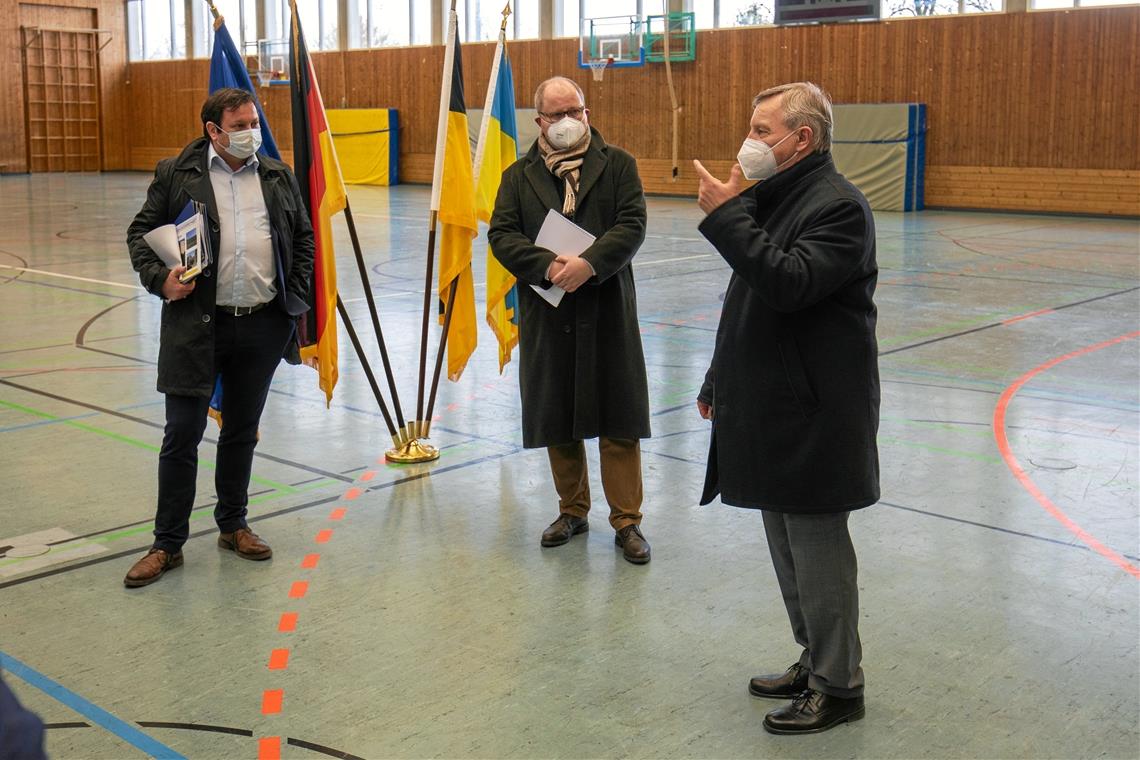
(598, 68)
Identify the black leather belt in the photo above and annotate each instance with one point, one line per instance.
(241, 311)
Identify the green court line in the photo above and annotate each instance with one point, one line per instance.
(197, 514)
(284, 487)
(941, 450)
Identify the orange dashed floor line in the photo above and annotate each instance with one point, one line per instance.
(272, 700)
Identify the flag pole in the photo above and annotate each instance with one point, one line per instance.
(489, 102)
(364, 363)
(399, 435)
(414, 451)
(218, 18)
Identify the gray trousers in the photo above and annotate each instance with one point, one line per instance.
(816, 569)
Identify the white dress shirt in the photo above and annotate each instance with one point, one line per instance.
(247, 271)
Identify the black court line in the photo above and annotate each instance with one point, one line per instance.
(997, 528)
(667, 410)
(946, 273)
(117, 356)
(322, 749)
(195, 727)
(161, 426)
(673, 324)
(999, 324)
(137, 523)
(258, 518)
(82, 334)
(65, 345)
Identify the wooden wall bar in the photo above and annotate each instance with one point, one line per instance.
(108, 14)
(1050, 95)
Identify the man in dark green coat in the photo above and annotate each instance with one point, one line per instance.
(793, 390)
(233, 321)
(582, 371)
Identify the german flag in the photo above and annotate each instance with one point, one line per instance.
(317, 170)
(457, 215)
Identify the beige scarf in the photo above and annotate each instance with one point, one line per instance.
(566, 165)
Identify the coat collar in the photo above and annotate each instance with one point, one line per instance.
(783, 182)
(195, 160)
(545, 184)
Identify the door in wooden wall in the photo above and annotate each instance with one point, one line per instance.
(61, 98)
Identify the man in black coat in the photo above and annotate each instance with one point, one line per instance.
(582, 370)
(793, 390)
(234, 321)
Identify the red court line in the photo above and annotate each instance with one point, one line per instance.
(1027, 482)
(269, 748)
(279, 659)
(324, 536)
(310, 561)
(1031, 314)
(352, 493)
(288, 622)
(337, 514)
(298, 589)
(271, 701)
(368, 476)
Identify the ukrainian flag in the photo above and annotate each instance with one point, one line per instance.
(500, 151)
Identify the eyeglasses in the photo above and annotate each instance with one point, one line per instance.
(573, 113)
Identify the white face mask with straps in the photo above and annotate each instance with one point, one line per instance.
(758, 160)
(565, 132)
(243, 143)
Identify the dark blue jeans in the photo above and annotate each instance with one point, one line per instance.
(246, 353)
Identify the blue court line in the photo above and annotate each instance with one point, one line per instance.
(56, 421)
(93, 713)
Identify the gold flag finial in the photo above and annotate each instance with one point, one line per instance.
(218, 18)
(506, 12)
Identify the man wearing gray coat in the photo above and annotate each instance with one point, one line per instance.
(793, 390)
(582, 371)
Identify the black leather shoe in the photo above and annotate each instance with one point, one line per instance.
(633, 545)
(781, 686)
(812, 712)
(563, 529)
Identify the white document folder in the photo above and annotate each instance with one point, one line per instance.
(561, 236)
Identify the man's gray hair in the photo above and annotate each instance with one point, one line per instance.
(542, 89)
(804, 104)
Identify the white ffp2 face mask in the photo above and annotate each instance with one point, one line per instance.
(757, 159)
(565, 132)
(243, 143)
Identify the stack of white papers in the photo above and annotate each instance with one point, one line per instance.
(561, 236)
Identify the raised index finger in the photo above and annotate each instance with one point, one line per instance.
(701, 170)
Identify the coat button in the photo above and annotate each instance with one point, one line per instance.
(566, 328)
(206, 273)
(205, 317)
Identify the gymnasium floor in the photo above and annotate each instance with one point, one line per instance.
(1000, 605)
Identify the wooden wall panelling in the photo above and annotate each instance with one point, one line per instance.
(1054, 91)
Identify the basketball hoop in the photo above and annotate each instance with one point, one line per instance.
(598, 67)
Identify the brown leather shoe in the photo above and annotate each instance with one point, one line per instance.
(246, 544)
(151, 567)
(563, 529)
(634, 547)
